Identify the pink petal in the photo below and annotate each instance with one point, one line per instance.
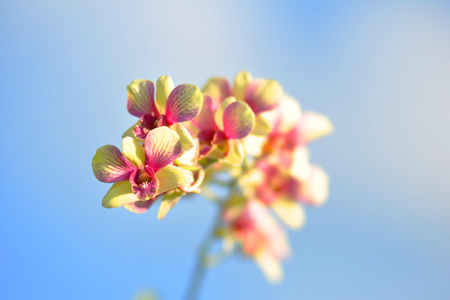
(140, 207)
(143, 189)
(184, 103)
(109, 165)
(218, 88)
(162, 147)
(205, 119)
(263, 95)
(141, 98)
(238, 120)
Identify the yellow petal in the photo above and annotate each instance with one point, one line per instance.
(217, 88)
(168, 202)
(253, 144)
(315, 125)
(187, 142)
(171, 177)
(270, 266)
(315, 189)
(241, 81)
(262, 126)
(290, 212)
(235, 155)
(133, 151)
(164, 85)
(300, 168)
(190, 157)
(218, 116)
(118, 195)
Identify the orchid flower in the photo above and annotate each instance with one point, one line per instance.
(220, 128)
(141, 173)
(252, 227)
(171, 107)
(261, 95)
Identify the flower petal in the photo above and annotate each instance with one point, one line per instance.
(218, 115)
(218, 88)
(262, 126)
(263, 95)
(164, 86)
(184, 103)
(270, 266)
(141, 97)
(205, 119)
(162, 147)
(133, 151)
(290, 212)
(241, 81)
(139, 207)
(238, 120)
(109, 165)
(314, 125)
(315, 190)
(187, 142)
(168, 202)
(118, 195)
(300, 167)
(171, 177)
(235, 155)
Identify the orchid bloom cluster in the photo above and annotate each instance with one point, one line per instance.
(249, 138)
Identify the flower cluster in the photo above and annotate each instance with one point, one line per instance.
(243, 146)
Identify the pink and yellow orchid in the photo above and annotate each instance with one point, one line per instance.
(171, 107)
(140, 174)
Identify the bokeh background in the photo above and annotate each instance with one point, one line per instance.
(379, 69)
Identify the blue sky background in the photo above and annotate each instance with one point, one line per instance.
(378, 69)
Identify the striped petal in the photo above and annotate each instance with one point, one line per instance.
(109, 165)
(241, 81)
(171, 177)
(139, 207)
(205, 119)
(133, 151)
(118, 195)
(238, 120)
(263, 95)
(141, 97)
(164, 86)
(162, 147)
(184, 103)
(218, 115)
(218, 88)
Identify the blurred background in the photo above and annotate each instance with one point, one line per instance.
(379, 69)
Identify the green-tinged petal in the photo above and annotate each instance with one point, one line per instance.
(263, 95)
(171, 177)
(118, 195)
(164, 86)
(262, 126)
(314, 125)
(235, 155)
(183, 104)
(270, 266)
(133, 151)
(238, 120)
(218, 88)
(168, 202)
(141, 97)
(162, 147)
(300, 167)
(290, 212)
(187, 142)
(130, 133)
(218, 116)
(190, 157)
(109, 165)
(241, 81)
